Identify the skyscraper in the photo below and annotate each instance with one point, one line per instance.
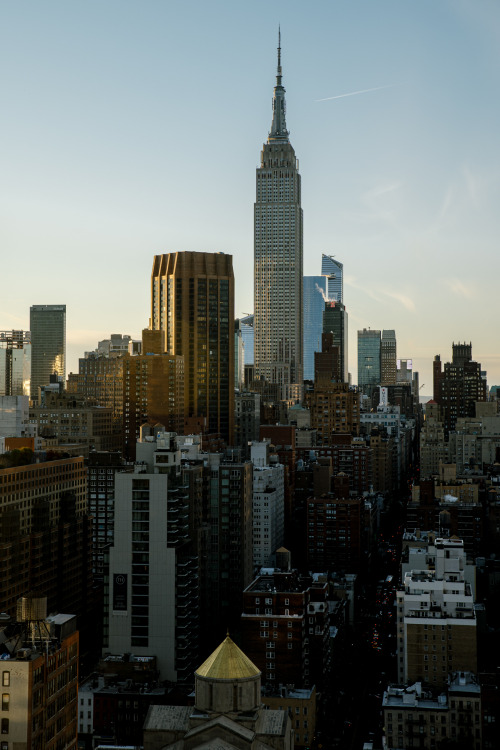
(368, 359)
(278, 255)
(315, 293)
(48, 344)
(335, 322)
(334, 269)
(15, 363)
(153, 584)
(388, 359)
(192, 302)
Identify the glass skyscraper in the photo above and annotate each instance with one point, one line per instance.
(48, 345)
(368, 359)
(335, 322)
(246, 325)
(315, 294)
(335, 272)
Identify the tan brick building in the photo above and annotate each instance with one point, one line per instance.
(436, 621)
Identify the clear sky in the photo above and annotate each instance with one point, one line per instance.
(134, 128)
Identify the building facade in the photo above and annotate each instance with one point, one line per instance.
(278, 306)
(315, 293)
(46, 535)
(39, 679)
(335, 322)
(285, 627)
(153, 588)
(388, 358)
(48, 345)
(458, 386)
(15, 363)
(334, 271)
(268, 512)
(369, 374)
(192, 302)
(436, 620)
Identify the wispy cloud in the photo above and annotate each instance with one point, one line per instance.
(355, 93)
(459, 288)
(403, 299)
(380, 298)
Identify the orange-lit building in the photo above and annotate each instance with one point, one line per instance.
(192, 303)
(39, 673)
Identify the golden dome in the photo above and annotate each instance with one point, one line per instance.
(228, 662)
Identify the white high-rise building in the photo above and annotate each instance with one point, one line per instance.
(278, 306)
(436, 619)
(153, 574)
(268, 506)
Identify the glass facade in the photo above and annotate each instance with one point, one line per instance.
(246, 325)
(48, 345)
(15, 363)
(335, 321)
(314, 295)
(335, 272)
(368, 358)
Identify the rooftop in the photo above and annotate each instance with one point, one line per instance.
(227, 662)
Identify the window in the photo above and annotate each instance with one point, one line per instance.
(6, 679)
(5, 726)
(5, 701)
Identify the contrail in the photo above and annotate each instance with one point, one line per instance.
(353, 93)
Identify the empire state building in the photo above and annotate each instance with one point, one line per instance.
(278, 257)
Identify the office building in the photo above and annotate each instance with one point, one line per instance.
(458, 386)
(48, 345)
(153, 586)
(334, 407)
(246, 419)
(327, 362)
(228, 565)
(388, 358)
(15, 363)
(15, 419)
(39, 678)
(63, 420)
(315, 294)
(153, 390)
(334, 271)
(369, 374)
(239, 357)
(192, 302)
(335, 322)
(117, 345)
(247, 333)
(46, 535)
(99, 381)
(278, 306)
(334, 538)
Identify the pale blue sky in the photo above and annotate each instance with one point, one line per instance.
(134, 128)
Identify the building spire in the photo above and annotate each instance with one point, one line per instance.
(278, 126)
(278, 77)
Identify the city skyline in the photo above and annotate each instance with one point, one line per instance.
(121, 120)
